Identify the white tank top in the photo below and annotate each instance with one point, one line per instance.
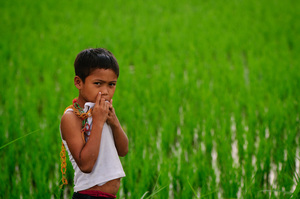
(108, 165)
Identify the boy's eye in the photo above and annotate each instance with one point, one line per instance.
(112, 84)
(97, 83)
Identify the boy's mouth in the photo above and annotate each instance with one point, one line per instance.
(109, 101)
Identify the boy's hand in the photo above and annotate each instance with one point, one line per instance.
(101, 109)
(112, 119)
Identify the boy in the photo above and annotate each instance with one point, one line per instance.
(92, 135)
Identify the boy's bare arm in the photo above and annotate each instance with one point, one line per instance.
(85, 154)
(120, 137)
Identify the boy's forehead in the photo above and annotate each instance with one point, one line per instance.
(103, 74)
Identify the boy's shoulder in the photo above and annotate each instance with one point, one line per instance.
(69, 116)
(70, 121)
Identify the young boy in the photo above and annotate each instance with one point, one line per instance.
(90, 129)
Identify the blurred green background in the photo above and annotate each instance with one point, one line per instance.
(208, 94)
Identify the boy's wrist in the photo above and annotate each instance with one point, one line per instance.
(98, 123)
(114, 124)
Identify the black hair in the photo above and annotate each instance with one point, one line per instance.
(93, 58)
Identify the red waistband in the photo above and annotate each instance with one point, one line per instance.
(96, 193)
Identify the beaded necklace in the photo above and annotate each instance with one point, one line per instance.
(85, 128)
(81, 114)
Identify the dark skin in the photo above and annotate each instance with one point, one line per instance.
(99, 87)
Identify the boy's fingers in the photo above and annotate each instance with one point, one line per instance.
(98, 99)
(102, 102)
(108, 105)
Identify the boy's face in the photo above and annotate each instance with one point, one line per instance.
(99, 80)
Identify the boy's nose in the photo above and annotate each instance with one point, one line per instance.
(104, 91)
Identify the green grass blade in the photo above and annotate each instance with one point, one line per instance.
(11, 142)
(192, 189)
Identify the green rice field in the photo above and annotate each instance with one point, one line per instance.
(208, 94)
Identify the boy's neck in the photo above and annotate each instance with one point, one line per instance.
(81, 101)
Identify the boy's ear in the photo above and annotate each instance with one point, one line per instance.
(78, 82)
